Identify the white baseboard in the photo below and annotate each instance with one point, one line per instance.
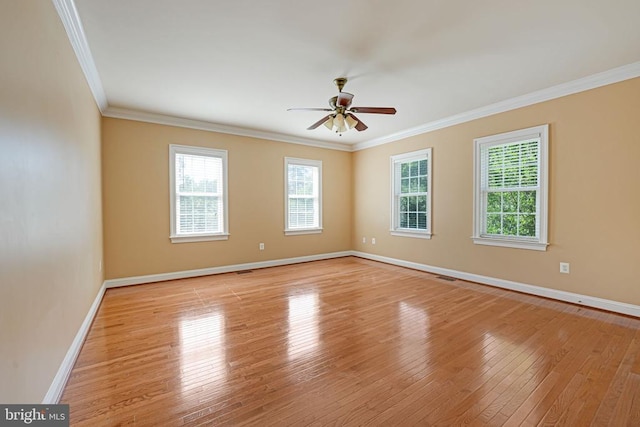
(64, 371)
(137, 280)
(60, 380)
(589, 301)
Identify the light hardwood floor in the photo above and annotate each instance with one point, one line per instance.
(351, 342)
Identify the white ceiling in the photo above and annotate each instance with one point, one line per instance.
(240, 64)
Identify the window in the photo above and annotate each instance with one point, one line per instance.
(303, 201)
(411, 194)
(198, 181)
(510, 201)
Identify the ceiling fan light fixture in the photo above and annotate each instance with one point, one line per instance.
(351, 122)
(339, 123)
(329, 123)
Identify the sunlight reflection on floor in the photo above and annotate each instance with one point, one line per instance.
(202, 351)
(303, 337)
(414, 329)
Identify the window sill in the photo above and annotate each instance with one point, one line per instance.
(199, 238)
(303, 231)
(412, 233)
(510, 243)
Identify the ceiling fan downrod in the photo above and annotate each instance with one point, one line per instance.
(340, 82)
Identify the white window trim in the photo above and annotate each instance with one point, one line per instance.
(540, 243)
(305, 162)
(394, 230)
(199, 151)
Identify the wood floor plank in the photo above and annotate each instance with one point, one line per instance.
(475, 405)
(609, 401)
(350, 342)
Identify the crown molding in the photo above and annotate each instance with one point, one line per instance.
(604, 78)
(69, 16)
(142, 116)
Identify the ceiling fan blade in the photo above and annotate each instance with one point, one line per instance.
(360, 126)
(309, 109)
(374, 110)
(344, 99)
(319, 122)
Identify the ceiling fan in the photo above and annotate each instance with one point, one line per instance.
(341, 117)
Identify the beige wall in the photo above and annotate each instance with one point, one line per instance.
(51, 214)
(50, 211)
(594, 197)
(136, 200)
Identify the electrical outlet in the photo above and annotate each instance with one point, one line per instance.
(373, 240)
(564, 268)
(364, 240)
(262, 246)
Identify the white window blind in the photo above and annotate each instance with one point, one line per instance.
(303, 190)
(510, 198)
(411, 194)
(510, 188)
(198, 193)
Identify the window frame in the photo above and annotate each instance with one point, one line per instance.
(205, 152)
(288, 231)
(395, 230)
(480, 237)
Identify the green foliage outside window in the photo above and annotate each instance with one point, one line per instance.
(512, 176)
(413, 198)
